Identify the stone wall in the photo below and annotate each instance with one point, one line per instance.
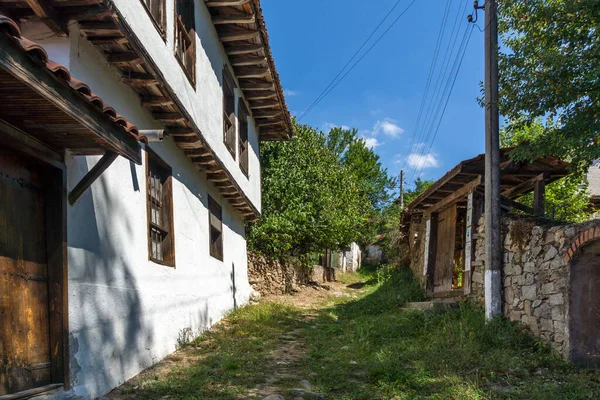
(271, 276)
(535, 273)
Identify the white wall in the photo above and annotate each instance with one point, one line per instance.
(205, 103)
(126, 312)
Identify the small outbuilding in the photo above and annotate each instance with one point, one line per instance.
(439, 223)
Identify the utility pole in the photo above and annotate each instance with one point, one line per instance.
(402, 189)
(493, 238)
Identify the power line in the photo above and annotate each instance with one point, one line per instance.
(352, 58)
(432, 68)
(358, 61)
(451, 88)
(431, 97)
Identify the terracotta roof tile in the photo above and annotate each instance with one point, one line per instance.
(11, 28)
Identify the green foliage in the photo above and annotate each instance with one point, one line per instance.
(566, 199)
(319, 191)
(549, 70)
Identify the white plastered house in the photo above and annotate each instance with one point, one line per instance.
(116, 247)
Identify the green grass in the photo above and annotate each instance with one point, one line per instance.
(368, 348)
(371, 349)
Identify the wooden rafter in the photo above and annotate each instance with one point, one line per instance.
(43, 10)
(243, 49)
(237, 18)
(238, 34)
(225, 3)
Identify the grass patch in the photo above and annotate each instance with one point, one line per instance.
(231, 357)
(371, 349)
(367, 347)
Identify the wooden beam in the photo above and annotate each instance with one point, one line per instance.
(48, 15)
(124, 58)
(156, 101)
(456, 196)
(259, 105)
(267, 114)
(272, 122)
(251, 72)
(107, 159)
(37, 78)
(100, 28)
(244, 49)
(539, 198)
(139, 79)
(168, 116)
(244, 61)
(514, 204)
(106, 40)
(250, 96)
(238, 34)
(16, 138)
(237, 18)
(225, 3)
(254, 84)
(517, 191)
(179, 131)
(438, 184)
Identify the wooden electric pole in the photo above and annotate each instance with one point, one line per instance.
(493, 238)
(402, 189)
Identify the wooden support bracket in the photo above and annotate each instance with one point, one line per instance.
(107, 159)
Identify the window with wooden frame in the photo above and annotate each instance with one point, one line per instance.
(185, 37)
(243, 136)
(216, 229)
(159, 192)
(157, 10)
(229, 111)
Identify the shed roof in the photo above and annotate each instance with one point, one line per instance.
(41, 98)
(516, 178)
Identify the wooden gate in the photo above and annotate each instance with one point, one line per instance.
(444, 251)
(25, 356)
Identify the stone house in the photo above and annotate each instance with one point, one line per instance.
(128, 168)
(549, 270)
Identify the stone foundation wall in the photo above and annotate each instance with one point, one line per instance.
(271, 276)
(535, 274)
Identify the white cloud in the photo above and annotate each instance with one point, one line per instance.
(290, 93)
(422, 161)
(389, 127)
(371, 143)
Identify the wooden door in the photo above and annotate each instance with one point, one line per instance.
(24, 312)
(444, 251)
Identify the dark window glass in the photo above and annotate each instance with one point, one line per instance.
(216, 229)
(160, 211)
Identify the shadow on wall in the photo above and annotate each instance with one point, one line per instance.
(101, 344)
(112, 332)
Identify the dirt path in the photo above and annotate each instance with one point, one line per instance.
(280, 366)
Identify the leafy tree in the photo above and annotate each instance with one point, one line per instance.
(566, 199)
(550, 69)
(372, 180)
(317, 193)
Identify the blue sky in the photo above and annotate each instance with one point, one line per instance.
(312, 40)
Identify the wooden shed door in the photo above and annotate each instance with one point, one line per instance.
(24, 323)
(444, 251)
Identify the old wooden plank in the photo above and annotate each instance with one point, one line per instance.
(233, 18)
(517, 191)
(48, 15)
(243, 49)
(460, 193)
(251, 72)
(225, 3)
(16, 138)
(238, 34)
(156, 101)
(539, 198)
